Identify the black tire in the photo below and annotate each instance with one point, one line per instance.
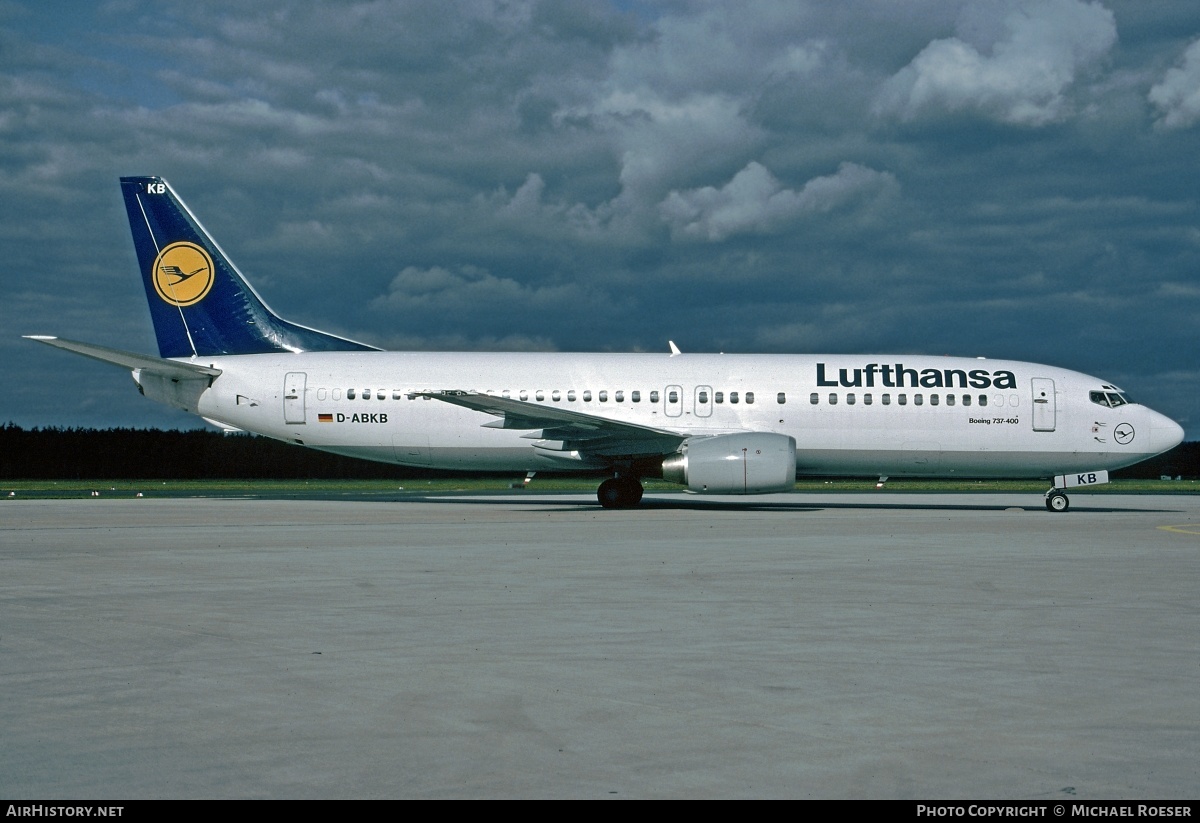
(634, 491)
(1057, 502)
(610, 494)
(619, 493)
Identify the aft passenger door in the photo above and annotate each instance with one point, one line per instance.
(1045, 409)
(293, 397)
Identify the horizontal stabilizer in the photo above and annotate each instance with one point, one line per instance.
(130, 360)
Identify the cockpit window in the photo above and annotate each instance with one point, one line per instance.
(1112, 399)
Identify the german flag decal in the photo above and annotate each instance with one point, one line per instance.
(324, 418)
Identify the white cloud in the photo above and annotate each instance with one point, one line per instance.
(706, 48)
(676, 103)
(661, 139)
(755, 202)
(1042, 48)
(1178, 95)
(1176, 290)
(528, 198)
(469, 289)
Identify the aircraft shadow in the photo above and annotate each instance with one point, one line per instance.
(545, 502)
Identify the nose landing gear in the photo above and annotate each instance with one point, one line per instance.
(1056, 501)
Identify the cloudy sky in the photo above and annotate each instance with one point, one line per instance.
(1001, 178)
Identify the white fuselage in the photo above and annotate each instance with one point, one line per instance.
(909, 415)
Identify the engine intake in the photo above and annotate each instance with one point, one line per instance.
(749, 463)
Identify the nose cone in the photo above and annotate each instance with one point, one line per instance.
(1165, 433)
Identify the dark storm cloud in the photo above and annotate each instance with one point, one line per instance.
(1002, 178)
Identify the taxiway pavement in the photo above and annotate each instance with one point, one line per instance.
(529, 645)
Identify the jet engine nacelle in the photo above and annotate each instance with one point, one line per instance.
(750, 463)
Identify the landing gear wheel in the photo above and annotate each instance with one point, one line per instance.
(619, 493)
(1056, 501)
(635, 491)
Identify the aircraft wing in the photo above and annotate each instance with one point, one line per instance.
(563, 434)
(131, 360)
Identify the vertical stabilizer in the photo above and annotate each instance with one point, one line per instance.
(199, 302)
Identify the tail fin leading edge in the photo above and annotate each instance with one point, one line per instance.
(199, 302)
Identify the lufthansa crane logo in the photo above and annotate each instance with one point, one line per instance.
(1123, 433)
(183, 274)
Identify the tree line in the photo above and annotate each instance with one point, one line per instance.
(145, 454)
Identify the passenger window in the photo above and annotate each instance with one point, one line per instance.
(733, 397)
(702, 397)
(832, 399)
(966, 399)
(321, 394)
(781, 398)
(887, 399)
(635, 396)
(349, 394)
(381, 394)
(672, 397)
(983, 399)
(814, 398)
(539, 395)
(719, 397)
(556, 395)
(571, 396)
(620, 396)
(749, 397)
(902, 399)
(524, 394)
(366, 394)
(867, 400)
(850, 399)
(337, 394)
(918, 399)
(653, 397)
(603, 396)
(1014, 400)
(934, 399)
(506, 393)
(587, 396)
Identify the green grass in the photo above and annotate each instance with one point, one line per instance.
(49, 489)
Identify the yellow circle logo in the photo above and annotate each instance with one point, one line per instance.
(183, 274)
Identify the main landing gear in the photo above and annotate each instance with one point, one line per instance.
(619, 492)
(1056, 501)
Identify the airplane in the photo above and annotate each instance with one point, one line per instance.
(712, 423)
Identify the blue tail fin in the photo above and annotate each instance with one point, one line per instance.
(199, 301)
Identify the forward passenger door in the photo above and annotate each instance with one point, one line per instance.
(1045, 408)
